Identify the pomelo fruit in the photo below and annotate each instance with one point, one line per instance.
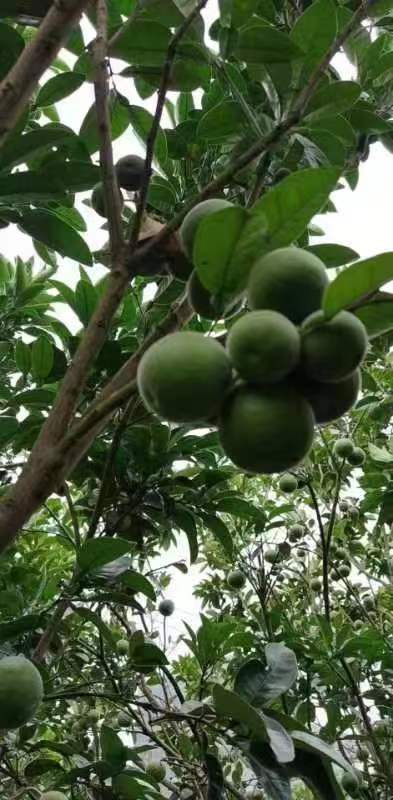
(194, 218)
(21, 691)
(266, 431)
(288, 484)
(288, 280)
(296, 532)
(343, 448)
(334, 349)
(130, 171)
(207, 305)
(166, 608)
(184, 377)
(236, 579)
(357, 457)
(264, 346)
(330, 401)
(316, 584)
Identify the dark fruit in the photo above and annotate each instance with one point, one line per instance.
(166, 608)
(288, 484)
(264, 346)
(357, 457)
(344, 570)
(156, 769)
(194, 218)
(98, 200)
(236, 579)
(207, 305)
(343, 448)
(21, 691)
(130, 171)
(316, 584)
(330, 401)
(296, 532)
(266, 431)
(333, 350)
(288, 280)
(184, 377)
(270, 556)
(350, 784)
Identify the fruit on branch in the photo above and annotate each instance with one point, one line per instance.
(316, 584)
(236, 579)
(207, 305)
(98, 201)
(343, 448)
(166, 608)
(130, 171)
(264, 346)
(257, 428)
(296, 531)
(21, 691)
(193, 219)
(350, 784)
(270, 555)
(184, 377)
(122, 647)
(288, 280)
(333, 349)
(288, 484)
(357, 457)
(344, 570)
(156, 770)
(329, 401)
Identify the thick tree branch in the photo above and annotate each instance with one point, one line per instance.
(18, 86)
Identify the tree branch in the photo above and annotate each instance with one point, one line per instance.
(18, 86)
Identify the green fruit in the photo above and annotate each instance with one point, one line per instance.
(287, 484)
(334, 349)
(316, 585)
(98, 200)
(236, 579)
(350, 784)
(358, 624)
(124, 720)
(194, 218)
(330, 401)
(156, 769)
(21, 691)
(341, 553)
(357, 457)
(288, 280)
(368, 603)
(264, 346)
(207, 305)
(296, 532)
(53, 796)
(122, 647)
(344, 570)
(184, 377)
(130, 171)
(270, 556)
(284, 550)
(343, 448)
(266, 431)
(344, 506)
(166, 608)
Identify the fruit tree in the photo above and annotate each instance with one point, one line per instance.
(196, 496)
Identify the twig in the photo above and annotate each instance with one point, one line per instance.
(47, 636)
(18, 86)
(73, 515)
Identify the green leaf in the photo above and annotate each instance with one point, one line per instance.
(59, 87)
(185, 520)
(260, 43)
(11, 46)
(313, 32)
(138, 583)
(357, 281)
(143, 42)
(95, 619)
(333, 255)
(280, 741)
(21, 625)
(112, 748)
(76, 176)
(56, 234)
(367, 121)
(260, 686)
(220, 531)
(377, 317)
(313, 744)
(119, 123)
(334, 98)
(41, 357)
(86, 300)
(215, 248)
(141, 121)
(19, 149)
(223, 122)
(97, 552)
(380, 454)
(22, 356)
(23, 188)
(146, 657)
(229, 704)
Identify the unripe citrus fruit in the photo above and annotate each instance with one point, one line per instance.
(330, 401)
(316, 585)
(357, 457)
(344, 570)
(130, 171)
(52, 795)
(156, 770)
(122, 647)
(264, 346)
(334, 349)
(98, 200)
(270, 555)
(343, 448)
(350, 784)
(296, 532)
(341, 553)
(368, 603)
(287, 484)
(207, 305)
(21, 691)
(344, 505)
(236, 579)
(194, 218)
(288, 280)
(184, 377)
(166, 608)
(266, 431)
(358, 624)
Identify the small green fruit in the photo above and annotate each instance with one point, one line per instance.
(166, 608)
(156, 770)
(334, 349)
(368, 602)
(98, 200)
(236, 579)
(270, 556)
(357, 625)
(316, 584)
(350, 784)
(344, 506)
(357, 457)
(122, 647)
(296, 532)
(193, 219)
(344, 570)
(341, 553)
(264, 346)
(21, 691)
(287, 484)
(343, 448)
(130, 171)
(329, 401)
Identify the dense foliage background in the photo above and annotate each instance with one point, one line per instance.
(284, 686)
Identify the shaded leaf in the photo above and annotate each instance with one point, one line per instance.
(357, 281)
(97, 552)
(56, 234)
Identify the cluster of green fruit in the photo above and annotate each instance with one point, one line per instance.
(284, 369)
(129, 172)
